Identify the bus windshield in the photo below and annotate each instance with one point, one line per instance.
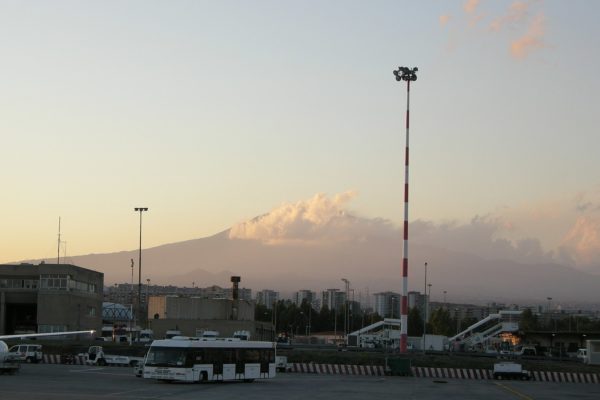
(166, 357)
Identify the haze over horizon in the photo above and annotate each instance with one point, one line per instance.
(211, 114)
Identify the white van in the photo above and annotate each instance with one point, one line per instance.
(31, 353)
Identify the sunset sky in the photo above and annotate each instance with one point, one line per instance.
(211, 113)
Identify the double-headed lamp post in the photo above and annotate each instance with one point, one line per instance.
(408, 75)
(140, 210)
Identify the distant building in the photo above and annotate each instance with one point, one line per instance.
(333, 299)
(267, 298)
(387, 304)
(49, 298)
(122, 293)
(308, 295)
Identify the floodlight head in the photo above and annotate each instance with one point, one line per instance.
(406, 74)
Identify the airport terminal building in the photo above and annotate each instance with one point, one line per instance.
(49, 298)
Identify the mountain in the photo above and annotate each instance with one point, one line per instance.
(371, 262)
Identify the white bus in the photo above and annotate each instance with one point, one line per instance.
(209, 359)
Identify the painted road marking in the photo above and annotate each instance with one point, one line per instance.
(514, 391)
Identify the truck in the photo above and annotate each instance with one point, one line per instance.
(96, 356)
(510, 370)
(281, 364)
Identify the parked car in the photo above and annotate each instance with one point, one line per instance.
(31, 353)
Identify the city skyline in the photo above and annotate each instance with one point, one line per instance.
(273, 119)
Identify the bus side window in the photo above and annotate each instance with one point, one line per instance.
(265, 356)
(240, 361)
(196, 356)
(252, 356)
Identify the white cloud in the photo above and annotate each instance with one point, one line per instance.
(317, 220)
(531, 233)
(532, 40)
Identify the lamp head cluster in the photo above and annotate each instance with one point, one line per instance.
(406, 74)
(141, 209)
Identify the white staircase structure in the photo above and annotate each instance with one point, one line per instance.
(491, 326)
(380, 333)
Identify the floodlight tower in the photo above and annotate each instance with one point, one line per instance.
(139, 299)
(408, 75)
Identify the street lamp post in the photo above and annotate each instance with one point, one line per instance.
(140, 210)
(425, 309)
(347, 282)
(408, 75)
(275, 320)
(131, 305)
(548, 311)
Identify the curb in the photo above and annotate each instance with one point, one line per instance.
(445, 373)
(337, 369)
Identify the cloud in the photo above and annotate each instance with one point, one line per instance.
(566, 231)
(444, 19)
(517, 11)
(317, 220)
(581, 244)
(526, 33)
(531, 41)
(471, 6)
(482, 236)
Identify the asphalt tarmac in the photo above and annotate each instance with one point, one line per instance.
(47, 381)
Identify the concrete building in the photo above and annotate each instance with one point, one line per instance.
(192, 315)
(49, 298)
(267, 298)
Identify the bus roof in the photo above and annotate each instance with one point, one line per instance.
(186, 342)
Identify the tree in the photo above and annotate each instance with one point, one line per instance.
(441, 323)
(529, 322)
(415, 322)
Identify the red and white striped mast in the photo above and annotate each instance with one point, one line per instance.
(408, 75)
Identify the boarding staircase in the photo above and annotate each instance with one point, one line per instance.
(491, 326)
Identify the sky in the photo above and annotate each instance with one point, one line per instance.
(213, 113)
